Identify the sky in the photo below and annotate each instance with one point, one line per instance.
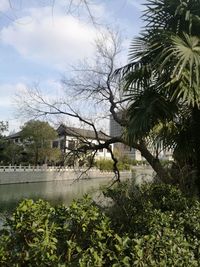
(41, 39)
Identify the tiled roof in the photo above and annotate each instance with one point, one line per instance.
(78, 132)
(13, 136)
(71, 131)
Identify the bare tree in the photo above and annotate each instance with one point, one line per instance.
(72, 7)
(93, 84)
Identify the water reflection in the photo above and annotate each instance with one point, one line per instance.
(56, 192)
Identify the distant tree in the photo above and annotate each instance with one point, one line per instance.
(3, 128)
(12, 153)
(37, 138)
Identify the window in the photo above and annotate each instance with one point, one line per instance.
(55, 144)
(71, 144)
(62, 144)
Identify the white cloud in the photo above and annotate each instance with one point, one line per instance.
(7, 92)
(58, 40)
(13, 95)
(7, 109)
(4, 5)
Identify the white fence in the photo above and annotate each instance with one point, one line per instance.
(32, 174)
(44, 168)
(30, 168)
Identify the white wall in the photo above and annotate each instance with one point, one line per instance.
(16, 177)
(99, 155)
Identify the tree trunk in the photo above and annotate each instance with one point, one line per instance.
(196, 142)
(155, 164)
(36, 156)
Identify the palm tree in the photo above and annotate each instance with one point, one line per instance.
(163, 78)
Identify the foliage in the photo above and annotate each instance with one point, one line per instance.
(124, 163)
(162, 80)
(40, 235)
(13, 153)
(154, 225)
(162, 223)
(37, 138)
(35, 146)
(104, 164)
(3, 128)
(163, 60)
(30, 239)
(107, 165)
(130, 201)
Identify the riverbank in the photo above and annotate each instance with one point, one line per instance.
(28, 174)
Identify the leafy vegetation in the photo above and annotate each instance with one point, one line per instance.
(37, 137)
(152, 225)
(3, 128)
(34, 147)
(124, 163)
(107, 165)
(162, 80)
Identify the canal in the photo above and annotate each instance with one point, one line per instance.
(57, 192)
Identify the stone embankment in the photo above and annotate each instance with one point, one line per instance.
(35, 174)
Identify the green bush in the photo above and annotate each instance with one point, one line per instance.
(107, 165)
(29, 236)
(164, 223)
(152, 225)
(40, 235)
(104, 164)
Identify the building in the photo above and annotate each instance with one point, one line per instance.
(117, 130)
(123, 150)
(70, 137)
(15, 138)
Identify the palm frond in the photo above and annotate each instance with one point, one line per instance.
(172, 15)
(184, 57)
(148, 109)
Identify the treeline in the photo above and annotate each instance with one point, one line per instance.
(33, 146)
(124, 163)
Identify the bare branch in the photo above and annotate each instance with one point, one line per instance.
(93, 84)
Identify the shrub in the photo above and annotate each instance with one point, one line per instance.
(151, 225)
(107, 165)
(161, 220)
(29, 236)
(104, 164)
(40, 235)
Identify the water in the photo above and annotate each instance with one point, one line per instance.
(56, 192)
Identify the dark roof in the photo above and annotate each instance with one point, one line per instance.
(78, 132)
(70, 131)
(13, 136)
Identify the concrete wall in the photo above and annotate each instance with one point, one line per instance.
(15, 177)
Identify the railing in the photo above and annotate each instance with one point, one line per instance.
(30, 168)
(40, 168)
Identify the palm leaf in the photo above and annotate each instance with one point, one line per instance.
(147, 110)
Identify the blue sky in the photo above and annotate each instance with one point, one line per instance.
(40, 41)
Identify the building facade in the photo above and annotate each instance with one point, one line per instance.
(123, 150)
(117, 130)
(69, 138)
